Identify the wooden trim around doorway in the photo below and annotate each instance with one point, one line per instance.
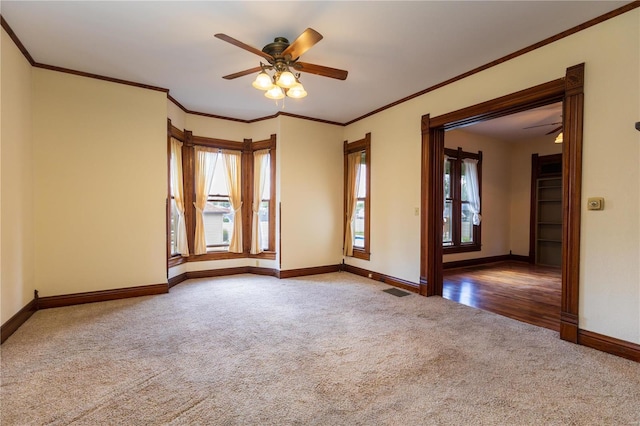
(569, 90)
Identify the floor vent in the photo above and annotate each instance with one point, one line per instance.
(396, 292)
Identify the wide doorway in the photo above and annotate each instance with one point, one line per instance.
(507, 260)
(569, 91)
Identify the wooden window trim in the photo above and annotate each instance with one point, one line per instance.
(360, 145)
(247, 147)
(458, 247)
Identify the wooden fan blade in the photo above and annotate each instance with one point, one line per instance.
(303, 43)
(554, 130)
(244, 46)
(542, 125)
(321, 70)
(242, 73)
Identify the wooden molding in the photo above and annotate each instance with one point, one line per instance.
(315, 270)
(9, 327)
(610, 345)
(17, 42)
(387, 279)
(474, 262)
(210, 273)
(173, 281)
(101, 296)
(571, 200)
(484, 260)
(520, 258)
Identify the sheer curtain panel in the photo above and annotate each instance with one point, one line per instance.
(205, 163)
(233, 163)
(473, 189)
(260, 170)
(177, 192)
(353, 177)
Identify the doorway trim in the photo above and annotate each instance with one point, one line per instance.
(569, 90)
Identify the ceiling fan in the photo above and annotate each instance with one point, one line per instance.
(282, 57)
(547, 124)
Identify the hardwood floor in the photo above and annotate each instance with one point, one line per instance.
(516, 290)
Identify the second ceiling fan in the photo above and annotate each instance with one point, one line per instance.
(282, 57)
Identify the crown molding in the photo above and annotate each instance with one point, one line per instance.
(621, 10)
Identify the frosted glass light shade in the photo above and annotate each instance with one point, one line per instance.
(296, 91)
(262, 81)
(286, 80)
(274, 93)
(559, 138)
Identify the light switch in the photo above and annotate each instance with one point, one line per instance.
(595, 203)
(417, 211)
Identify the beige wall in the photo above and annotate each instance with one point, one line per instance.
(100, 161)
(311, 183)
(520, 178)
(16, 181)
(496, 192)
(610, 246)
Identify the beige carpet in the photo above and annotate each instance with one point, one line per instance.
(324, 350)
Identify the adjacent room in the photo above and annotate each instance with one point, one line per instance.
(320, 212)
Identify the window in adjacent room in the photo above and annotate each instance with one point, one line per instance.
(461, 215)
(357, 163)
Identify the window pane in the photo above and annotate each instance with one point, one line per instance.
(362, 181)
(266, 193)
(263, 216)
(447, 237)
(174, 225)
(219, 185)
(466, 229)
(358, 240)
(447, 179)
(218, 223)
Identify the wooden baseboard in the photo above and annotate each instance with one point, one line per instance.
(290, 273)
(210, 273)
(177, 279)
(484, 261)
(9, 327)
(387, 279)
(519, 258)
(569, 327)
(101, 296)
(610, 345)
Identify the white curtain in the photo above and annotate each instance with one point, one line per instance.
(353, 179)
(473, 188)
(233, 163)
(444, 202)
(205, 163)
(260, 169)
(177, 192)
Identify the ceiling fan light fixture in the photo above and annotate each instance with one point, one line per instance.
(262, 81)
(297, 91)
(286, 80)
(558, 138)
(275, 92)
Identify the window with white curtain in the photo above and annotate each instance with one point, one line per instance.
(461, 214)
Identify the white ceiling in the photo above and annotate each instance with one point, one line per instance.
(171, 45)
